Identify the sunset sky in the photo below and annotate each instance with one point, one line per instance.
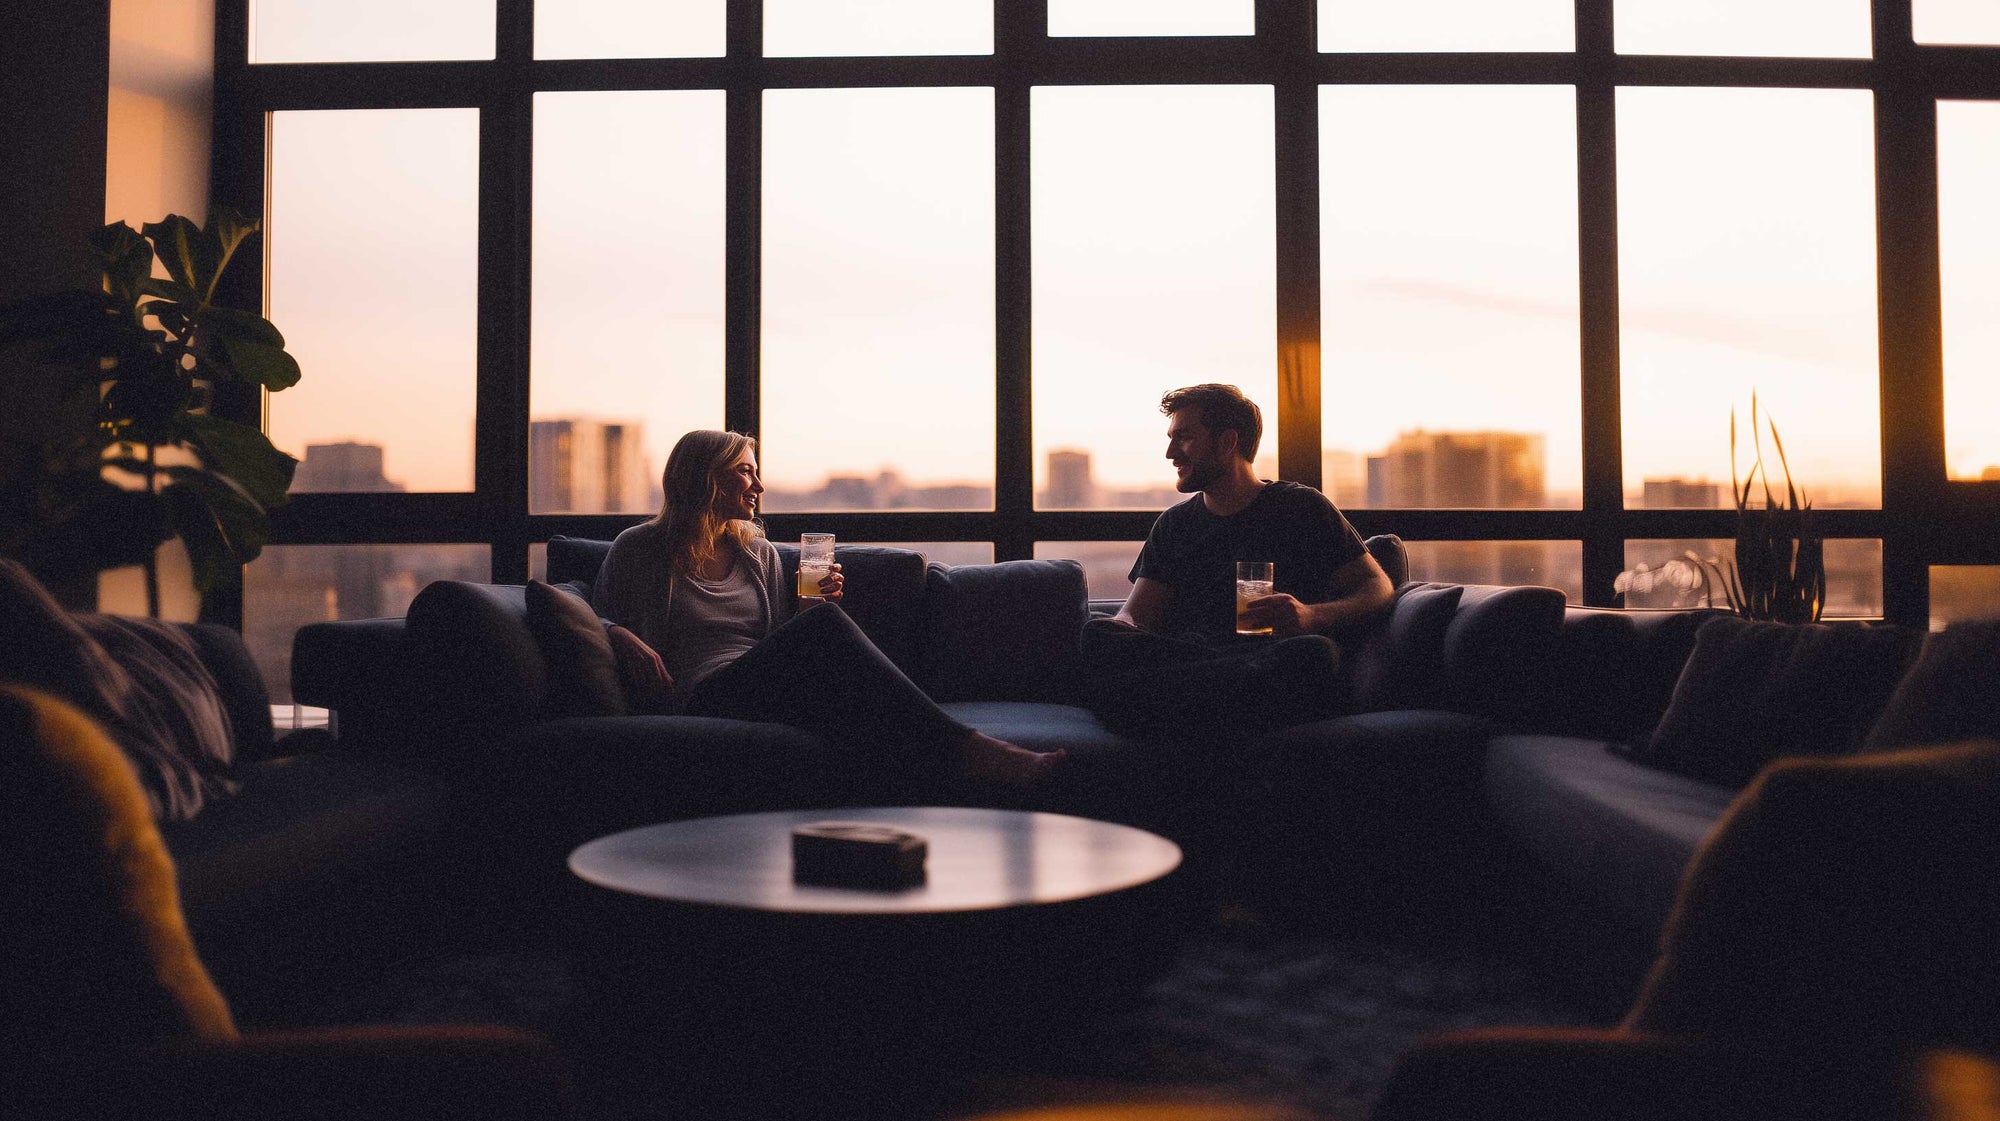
(1448, 235)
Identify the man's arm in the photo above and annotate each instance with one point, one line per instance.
(1146, 606)
(1360, 588)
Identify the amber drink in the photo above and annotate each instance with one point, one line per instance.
(815, 564)
(1253, 582)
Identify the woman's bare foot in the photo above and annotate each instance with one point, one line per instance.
(982, 757)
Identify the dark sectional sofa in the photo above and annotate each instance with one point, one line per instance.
(1475, 709)
(1483, 722)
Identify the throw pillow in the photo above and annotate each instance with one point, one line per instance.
(42, 645)
(1951, 694)
(175, 699)
(583, 671)
(1752, 692)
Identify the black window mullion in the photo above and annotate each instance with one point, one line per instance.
(1019, 32)
(743, 235)
(506, 220)
(1290, 41)
(1597, 285)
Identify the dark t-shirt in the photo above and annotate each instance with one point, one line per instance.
(1195, 552)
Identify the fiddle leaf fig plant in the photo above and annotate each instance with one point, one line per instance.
(133, 456)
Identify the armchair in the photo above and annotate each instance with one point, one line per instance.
(106, 1010)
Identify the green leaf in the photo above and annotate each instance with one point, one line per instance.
(191, 258)
(245, 455)
(219, 524)
(228, 230)
(127, 260)
(232, 323)
(172, 290)
(268, 366)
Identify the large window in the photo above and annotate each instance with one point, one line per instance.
(1497, 273)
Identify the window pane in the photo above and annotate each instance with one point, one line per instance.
(1152, 17)
(1853, 574)
(1106, 564)
(373, 278)
(1972, 22)
(1154, 249)
(1746, 244)
(1773, 28)
(1447, 25)
(370, 30)
(630, 29)
(1547, 564)
(877, 27)
(1969, 259)
(288, 586)
(617, 379)
(1964, 592)
(878, 299)
(1449, 295)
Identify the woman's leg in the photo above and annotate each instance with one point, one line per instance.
(821, 673)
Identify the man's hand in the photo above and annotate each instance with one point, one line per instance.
(1286, 616)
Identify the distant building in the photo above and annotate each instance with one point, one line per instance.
(1458, 470)
(1070, 484)
(1680, 494)
(580, 465)
(348, 466)
(1343, 477)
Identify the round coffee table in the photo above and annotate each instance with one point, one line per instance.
(1025, 923)
(979, 860)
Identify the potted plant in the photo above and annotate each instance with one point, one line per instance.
(1779, 568)
(133, 457)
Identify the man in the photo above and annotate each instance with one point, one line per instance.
(1171, 659)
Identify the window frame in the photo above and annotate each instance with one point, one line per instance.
(1925, 519)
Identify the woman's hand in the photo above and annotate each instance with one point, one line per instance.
(649, 688)
(830, 586)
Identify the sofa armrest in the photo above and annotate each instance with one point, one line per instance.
(357, 669)
(1553, 1074)
(372, 1073)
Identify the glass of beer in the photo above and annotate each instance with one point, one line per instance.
(815, 564)
(1253, 581)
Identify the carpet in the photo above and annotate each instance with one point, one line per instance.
(1250, 1009)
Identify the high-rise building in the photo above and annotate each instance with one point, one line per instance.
(581, 465)
(1343, 477)
(346, 466)
(1458, 470)
(1070, 484)
(1681, 494)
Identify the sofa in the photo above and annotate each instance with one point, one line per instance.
(1482, 722)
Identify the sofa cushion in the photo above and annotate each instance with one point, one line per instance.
(583, 670)
(1500, 649)
(474, 664)
(1004, 631)
(576, 559)
(1952, 693)
(299, 826)
(1039, 726)
(1614, 671)
(1619, 832)
(1401, 664)
(883, 595)
(1754, 691)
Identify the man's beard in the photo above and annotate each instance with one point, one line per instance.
(1201, 475)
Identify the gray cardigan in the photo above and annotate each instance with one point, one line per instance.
(635, 587)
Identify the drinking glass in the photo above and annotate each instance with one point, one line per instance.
(1253, 581)
(815, 564)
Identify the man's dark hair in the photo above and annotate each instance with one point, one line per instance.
(1220, 407)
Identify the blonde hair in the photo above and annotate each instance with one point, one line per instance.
(691, 484)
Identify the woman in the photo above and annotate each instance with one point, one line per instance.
(710, 616)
